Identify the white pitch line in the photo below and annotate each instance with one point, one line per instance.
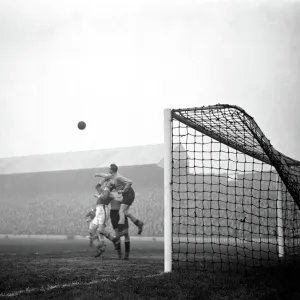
(43, 253)
(72, 284)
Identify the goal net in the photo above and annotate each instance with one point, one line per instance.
(231, 200)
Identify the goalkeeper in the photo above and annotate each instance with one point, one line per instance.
(123, 186)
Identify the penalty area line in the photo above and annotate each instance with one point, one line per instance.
(48, 288)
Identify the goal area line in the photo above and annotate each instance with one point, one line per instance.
(49, 288)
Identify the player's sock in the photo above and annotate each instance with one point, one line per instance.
(136, 222)
(127, 250)
(140, 225)
(100, 250)
(119, 249)
(118, 245)
(131, 217)
(127, 246)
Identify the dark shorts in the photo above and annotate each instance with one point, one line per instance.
(128, 197)
(114, 219)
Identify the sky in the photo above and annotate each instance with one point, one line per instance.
(117, 64)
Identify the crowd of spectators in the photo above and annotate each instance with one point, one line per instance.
(201, 209)
(64, 213)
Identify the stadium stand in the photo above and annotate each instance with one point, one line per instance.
(50, 194)
(47, 195)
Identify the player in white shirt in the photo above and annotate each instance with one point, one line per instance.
(98, 224)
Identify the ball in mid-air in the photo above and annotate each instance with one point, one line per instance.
(81, 125)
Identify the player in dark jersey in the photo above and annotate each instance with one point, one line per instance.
(123, 186)
(115, 205)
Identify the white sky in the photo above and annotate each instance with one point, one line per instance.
(117, 65)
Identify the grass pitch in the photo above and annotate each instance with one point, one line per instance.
(67, 270)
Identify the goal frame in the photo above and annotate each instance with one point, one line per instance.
(168, 230)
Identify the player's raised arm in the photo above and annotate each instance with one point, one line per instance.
(103, 175)
(98, 186)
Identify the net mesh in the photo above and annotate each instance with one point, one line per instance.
(235, 199)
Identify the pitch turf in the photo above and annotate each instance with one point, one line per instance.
(65, 269)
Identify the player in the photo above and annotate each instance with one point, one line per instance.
(90, 216)
(101, 217)
(115, 205)
(123, 186)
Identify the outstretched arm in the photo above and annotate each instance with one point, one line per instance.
(98, 186)
(103, 175)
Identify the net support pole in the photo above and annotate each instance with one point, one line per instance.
(167, 191)
(280, 234)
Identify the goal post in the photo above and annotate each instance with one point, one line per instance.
(167, 191)
(230, 198)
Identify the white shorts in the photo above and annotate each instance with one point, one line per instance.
(102, 215)
(91, 225)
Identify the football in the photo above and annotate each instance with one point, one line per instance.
(81, 125)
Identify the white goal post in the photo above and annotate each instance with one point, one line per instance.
(167, 191)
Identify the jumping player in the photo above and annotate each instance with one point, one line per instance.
(101, 217)
(123, 186)
(115, 205)
(89, 218)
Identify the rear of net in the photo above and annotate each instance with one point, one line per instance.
(230, 208)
